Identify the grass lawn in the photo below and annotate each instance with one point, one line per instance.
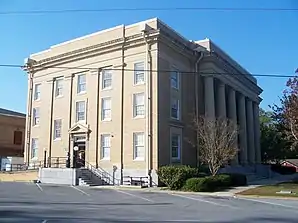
(272, 189)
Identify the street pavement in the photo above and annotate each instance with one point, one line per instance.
(29, 202)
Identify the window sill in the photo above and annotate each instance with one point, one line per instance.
(139, 159)
(82, 93)
(139, 84)
(105, 159)
(175, 160)
(59, 96)
(35, 126)
(139, 117)
(106, 89)
(106, 120)
(57, 140)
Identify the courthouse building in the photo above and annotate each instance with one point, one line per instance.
(125, 96)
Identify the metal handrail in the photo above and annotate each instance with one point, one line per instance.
(103, 174)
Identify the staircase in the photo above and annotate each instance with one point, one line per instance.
(92, 176)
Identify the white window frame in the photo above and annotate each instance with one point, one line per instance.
(138, 145)
(139, 72)
(178, 158)
(174, 99)
(59, 88)
(135, 106)
(104, 147)
(36, 116)
(174, 78)
(103, 79)
(76, 109)
(103, 118)
(34, 149)
(80, 84)
(37, 93)
(57, 131)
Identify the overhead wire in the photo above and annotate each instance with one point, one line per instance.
(63, 11)
(160, 70)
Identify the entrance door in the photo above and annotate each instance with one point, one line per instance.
(79, 155)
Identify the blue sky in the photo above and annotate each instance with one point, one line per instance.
(262, 42)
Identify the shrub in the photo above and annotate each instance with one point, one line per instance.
(174, 176)
(214, 183)
(207, 184)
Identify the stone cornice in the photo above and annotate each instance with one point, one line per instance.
(229, 68)
(94, 50)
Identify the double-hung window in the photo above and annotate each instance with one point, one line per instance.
(139, 73)
(106, 108)
(139, 105)
(80, 111)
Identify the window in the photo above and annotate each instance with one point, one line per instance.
(106, 104)
(80, 111)
(106, 79)
(175, 108)
(139, 146)
(57, 128)
(139, 105)
(36, 116)
(175, 79)
(34, 148)
(139, 73)
(37, 92)
(59, 88)
(105, 146)
(81, 83)
(175, 146)
(17, 138)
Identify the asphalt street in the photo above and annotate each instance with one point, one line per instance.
(29, 202)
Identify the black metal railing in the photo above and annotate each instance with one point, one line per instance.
(56, 162)
(101, 173)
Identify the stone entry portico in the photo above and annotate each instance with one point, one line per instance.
(240, 108)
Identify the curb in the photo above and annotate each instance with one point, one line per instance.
(216, 194)
(264, 196)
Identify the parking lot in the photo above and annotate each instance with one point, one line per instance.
(29, 202)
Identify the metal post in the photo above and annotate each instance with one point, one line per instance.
(45, 159)
(68, 160)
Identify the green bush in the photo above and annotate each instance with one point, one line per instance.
(174, 176)
(214, 183)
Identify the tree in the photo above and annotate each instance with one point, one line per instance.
(216, 141)
(274, 143)
(288, 111)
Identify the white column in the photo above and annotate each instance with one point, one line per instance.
(243, 135)
(209, 97)
(257, 133)
(250, 132)
(233, 114)
(221, 100)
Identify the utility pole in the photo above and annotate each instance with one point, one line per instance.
(29, 68)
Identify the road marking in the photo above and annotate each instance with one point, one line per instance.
(202, 200)
(83, 192)
(44, 221)
(133, 195)
(39, 187)
(268, 202)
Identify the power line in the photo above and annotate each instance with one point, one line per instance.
(163, 71)
(144, 9)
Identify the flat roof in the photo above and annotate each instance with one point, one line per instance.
(7, 112)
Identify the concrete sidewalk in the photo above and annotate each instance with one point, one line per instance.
(21, 176)
(228, 193)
